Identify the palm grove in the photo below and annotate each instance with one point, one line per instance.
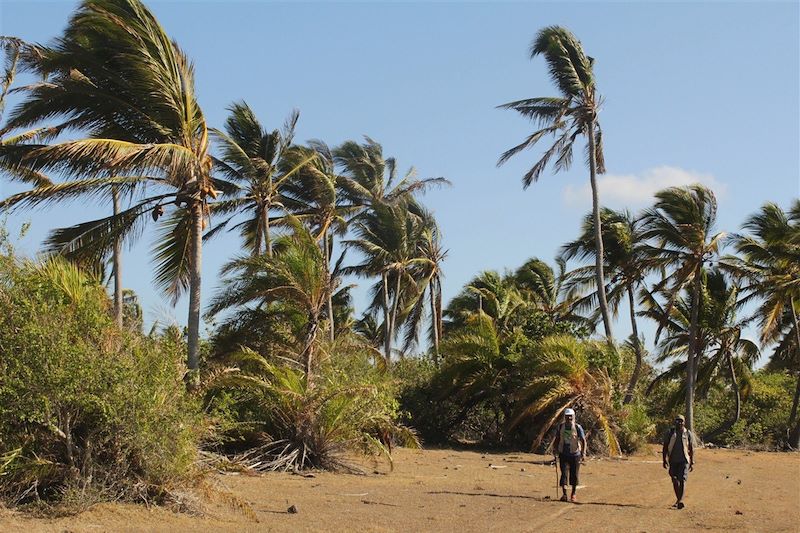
(291, 377)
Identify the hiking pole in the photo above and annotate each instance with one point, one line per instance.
(555, 463)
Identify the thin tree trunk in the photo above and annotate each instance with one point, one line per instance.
(737, 398)
(395, 304)
(794, 423)
(598, 239)
(308, 349)
(434, 321)
(117, 264)
(637, 349)
(327, 251)
(265, 223)
(194, 294)
(387, 335)
(692, 352)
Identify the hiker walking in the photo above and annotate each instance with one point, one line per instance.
(678, 456)
(569, 447)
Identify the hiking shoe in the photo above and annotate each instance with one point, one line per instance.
(679, 505)
(563, 497)
(573, 499)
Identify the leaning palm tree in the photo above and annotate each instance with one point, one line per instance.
(681, 223)
(770, 269)
(119, 79)
(567, 117)
(626, 265)
(490, 293)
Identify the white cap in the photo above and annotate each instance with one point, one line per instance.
(568, 412)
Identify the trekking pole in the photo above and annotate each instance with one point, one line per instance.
(555, 463)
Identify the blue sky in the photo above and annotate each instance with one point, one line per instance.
(705, 92)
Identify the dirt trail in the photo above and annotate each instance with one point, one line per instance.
(446, 490)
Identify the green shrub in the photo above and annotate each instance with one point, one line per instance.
(83, 405)
(284, 423)
(636, 428)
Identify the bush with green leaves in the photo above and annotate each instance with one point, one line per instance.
(763, 422)
(84, 405)
(284, 422)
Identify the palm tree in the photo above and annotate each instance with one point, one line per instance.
(368, 178)
(542, 286)
(626, 265)
(721, 349)
(116, 75)
(296, 274)
(312, 196)
(490, 293)
(255, 159)
(566, 118)
(475, 368)
(770, 268)
(387, 237)
(428, 275)
(681, 222)
(564, 376)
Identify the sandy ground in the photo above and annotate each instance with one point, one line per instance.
(446, 490)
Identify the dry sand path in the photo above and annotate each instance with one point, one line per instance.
(446, 490)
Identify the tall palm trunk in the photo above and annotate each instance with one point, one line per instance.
(434, 320)
(308, 348)
(395, 304)
(737, 398)
(598, 239)
(116, 259)
(265, 224)
(637, 349)
(387, 335)
(439, 321)
(692, 354)
(794, 422)
(194, 293)
(327, 255)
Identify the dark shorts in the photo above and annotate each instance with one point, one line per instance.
(679, 471)
(569, 464)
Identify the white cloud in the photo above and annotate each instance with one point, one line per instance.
(637, 190)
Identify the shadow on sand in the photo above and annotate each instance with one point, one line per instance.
(536, 498)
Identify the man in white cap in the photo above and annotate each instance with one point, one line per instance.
(569, 447)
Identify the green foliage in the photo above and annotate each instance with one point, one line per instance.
(83, 405)
(636, 428)
(349, 406)
(764, 413)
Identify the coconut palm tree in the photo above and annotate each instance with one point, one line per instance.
(490, 293)
(770, 270)
(312, 197)
(681, 222)
(386, 236)
(721, 348)
(626, 266)
(428, 275)
(296, 274)
(368, 178)
(255, 159)
(118, 78)
(567, 117)
(564, 376)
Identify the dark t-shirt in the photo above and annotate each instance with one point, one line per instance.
(677, 455)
